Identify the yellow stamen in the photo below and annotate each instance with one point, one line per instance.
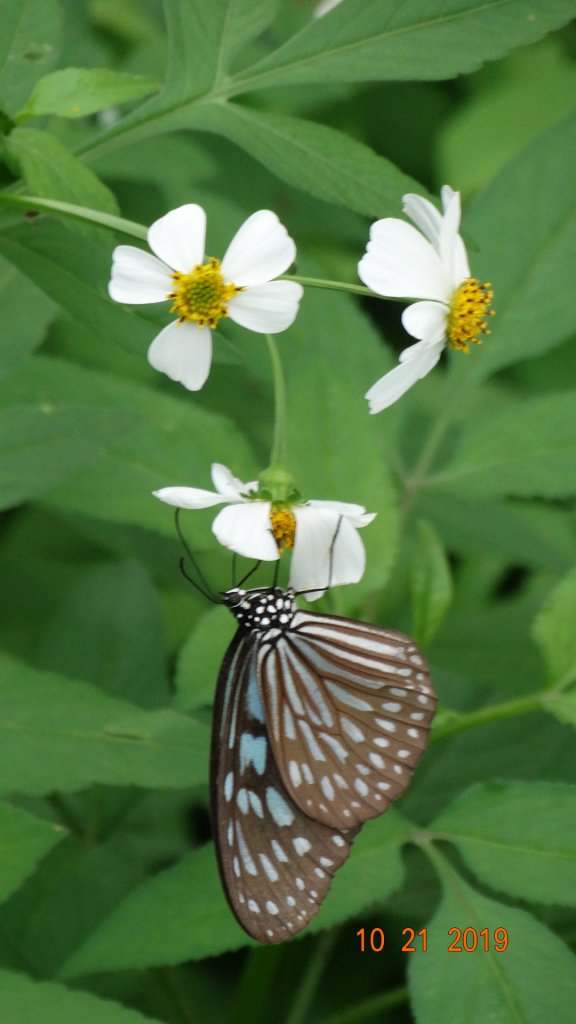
(283, 523)
(469, 309)
(202, 295)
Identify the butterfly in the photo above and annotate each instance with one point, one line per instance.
(318, 723)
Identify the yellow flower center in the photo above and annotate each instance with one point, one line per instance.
(469, 308)
(283, 523)
(202, 295)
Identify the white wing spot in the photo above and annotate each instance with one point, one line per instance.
(383, 785)
(385, 724)
(229, 786)
(326, 863)
(294, 772)
(236, 867)
(363, 769)
(301, 845)
(320, 872)
(269, 868)
(416, 716)
(307, 773)
(256, 803)
(397, 692)
(300, 884)
(271, 907)
(376, 760)
(278, 807)
(338, 841)
(352, 730)
(230, 834)
(340, 781)
(253, 906)
(391, 706)
(361, 787)
(423, 699)
(413, 733)
(290, 901)
(242, 800)
(327, 788)
(279, 852)
(381, 741)
(397, 768)
(403, 753)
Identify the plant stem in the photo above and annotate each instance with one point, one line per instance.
(335, 286)
(307, 988)
(278, 452)
(494, 713)
(81, 213)
(369, 1008)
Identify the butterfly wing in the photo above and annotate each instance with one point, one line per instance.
(349, 707)
(276, 863)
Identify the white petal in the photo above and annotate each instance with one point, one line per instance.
(138, 276)
(426, 321)
(246, 529)
(184, 353)
(327, 551)
(400, 262)
(391, 387)
(178, 238)
(424, 215)
(188, 497)
(357, 514)
(267, 308)
(260, 250)
(229, 486)
(451, 247)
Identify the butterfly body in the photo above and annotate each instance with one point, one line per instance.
(318, 723)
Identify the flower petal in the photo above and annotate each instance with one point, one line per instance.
(426, 321)
(357, 514)
(138, 277)
(423, 357)
(424, 215)
(401, 263)
(178, 238)
(184, 353)
(327, 551)
(451, 247)
(229, 486)
(188, 497)
(267, 308)
(260, 250)
(246, 529)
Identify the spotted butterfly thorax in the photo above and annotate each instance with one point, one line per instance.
(318, 724)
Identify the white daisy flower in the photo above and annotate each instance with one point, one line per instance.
(324, 6)
(202, 290)
(326, 548)
(427, 262)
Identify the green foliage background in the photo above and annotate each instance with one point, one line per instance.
(112, 912)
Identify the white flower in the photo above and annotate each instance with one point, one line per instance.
(426, 262)
(202, 291)
(327, 550)
(324, 6)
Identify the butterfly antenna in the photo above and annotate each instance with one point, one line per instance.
(203, 587)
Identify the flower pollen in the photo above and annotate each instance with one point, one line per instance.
(202, 295)
(283, 523)
(469, 309)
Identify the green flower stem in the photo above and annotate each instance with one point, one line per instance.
(299, 1011)
(278, 453)
(335, 286)
(455, 722)
(80, 213)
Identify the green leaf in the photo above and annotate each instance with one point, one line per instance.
(50, 170)
(46, 1002)
(201, 658)
(76, 92)
(524, 229)
(24, 840)
(156, 453)
(182, 914)
(501, 987)
(312, 157)
(74, 274)
(30, 33)
(563, 706)
(245, 21)
(526, 450)
(24, 313)
(43, 444)
(59, 734)
(514, 837)
(113, 613)
(366, 40)
(554, 632)
(431, 583)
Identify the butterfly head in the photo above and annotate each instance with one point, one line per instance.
(261, 609)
